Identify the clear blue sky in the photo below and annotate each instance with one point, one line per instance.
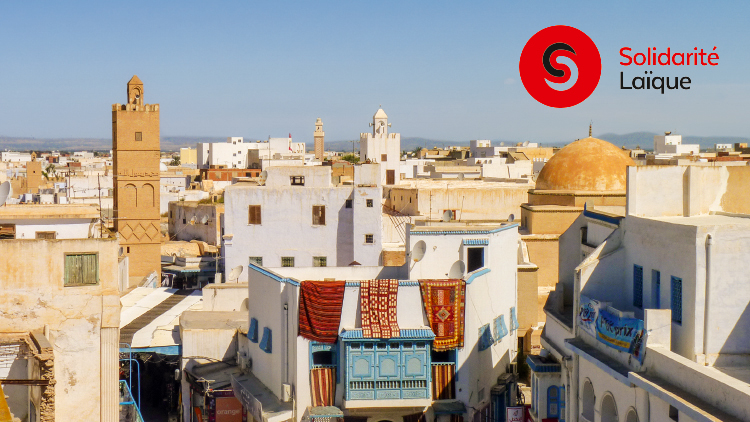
(441, 70)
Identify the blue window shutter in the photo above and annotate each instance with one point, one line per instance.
(252, 333)
(265, 342)
(553, 402)
(638, 286)
(485, 337)
(676, 302)
(513, 319)
(562, 404)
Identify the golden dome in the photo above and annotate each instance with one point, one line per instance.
(588, 164)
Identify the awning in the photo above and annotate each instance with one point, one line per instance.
(448, 407)
(259, 400)
(150, 318)
(213, 376)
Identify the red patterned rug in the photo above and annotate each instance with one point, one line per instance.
(320, 310)
(444, 302)
(323, 386)
(378, 299)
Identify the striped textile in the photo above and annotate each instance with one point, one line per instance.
(323, 386)
(444, 302)
(320, 310)
(378, 300)
(443, 383)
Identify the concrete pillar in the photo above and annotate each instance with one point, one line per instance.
(109, 360)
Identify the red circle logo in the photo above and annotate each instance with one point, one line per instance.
(547, 79)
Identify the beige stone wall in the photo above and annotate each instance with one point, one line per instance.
(545, 254)
(539, 220)
(528, 307)
(32, 274)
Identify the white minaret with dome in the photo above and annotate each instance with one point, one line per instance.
(382, 148)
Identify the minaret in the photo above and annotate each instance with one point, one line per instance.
(136, 150)
(319, 137)
(380, 123)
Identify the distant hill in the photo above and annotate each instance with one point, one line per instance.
(174, 143)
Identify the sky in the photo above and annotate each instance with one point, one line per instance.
(441, 70)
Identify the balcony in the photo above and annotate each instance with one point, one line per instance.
(391, 372)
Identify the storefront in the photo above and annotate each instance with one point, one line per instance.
(211, 396)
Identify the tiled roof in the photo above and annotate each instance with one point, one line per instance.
(415, 333)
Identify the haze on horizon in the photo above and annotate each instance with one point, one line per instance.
(441, 70)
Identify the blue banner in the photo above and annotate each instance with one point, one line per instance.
(624, 334)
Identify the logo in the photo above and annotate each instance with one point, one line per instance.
(548, 62)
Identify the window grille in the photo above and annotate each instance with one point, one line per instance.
(638, 286)
(676, 302)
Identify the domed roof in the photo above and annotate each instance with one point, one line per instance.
(588, 164)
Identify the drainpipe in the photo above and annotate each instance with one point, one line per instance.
(286, 335)
(706, 325)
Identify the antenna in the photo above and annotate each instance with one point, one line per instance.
(235, 274)
(5, 191)
(447, 216)
(457, 270)
(418, 252)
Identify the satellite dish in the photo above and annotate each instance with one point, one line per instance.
(192, 220)
(5, 192)
(163, 167)
(457, 270)
(235, 273)
(502, 144)
(418, 252)
(461, 176)
(204, 220)
(526, 143)
(511, 218)
(447, 216)
(263, 177)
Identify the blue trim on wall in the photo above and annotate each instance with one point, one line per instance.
(476, 242)
(600, 217)
(274, 276)
(164, 350)
(442, 232)
(477, 274)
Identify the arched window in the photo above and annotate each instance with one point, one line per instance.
(587, 411)
(128, 196)
(553, 402)
(146, 195)
(632, 416)
(609, 409)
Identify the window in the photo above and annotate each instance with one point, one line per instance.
(676, 302)
(485, 337)
(656, 289)
(390, 177)
(265, 342)
(319, 261)
(7, 231)
(638, 286)
(138, 136)
(499, 328)
(369, 203)
(253, 214)
(383, 158)
(46, 235)
(319, 215)
(252, 333)
(674, 414)
(298, 180)
(287, 261)
(369, 238)
(81, 269)
(348, 203)
(513, 319)
(553, 402)
(584, 235)
(256, 260)
(170, 214)
(475, 259)
(323, 355)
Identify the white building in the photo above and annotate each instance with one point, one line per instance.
(49, 222)
(15, 157)
(382, 377)
(669, 145)
(235, 152)
(298, 218)
(382, 147)
(649, 321)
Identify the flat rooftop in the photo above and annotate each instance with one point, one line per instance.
(741, 221)
(458, 184)
(38, 211)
